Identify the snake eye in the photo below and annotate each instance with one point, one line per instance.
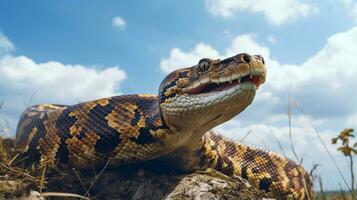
(204, 64)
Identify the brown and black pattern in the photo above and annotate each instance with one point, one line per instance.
(94, 133)
(265, 170)
(131, 128)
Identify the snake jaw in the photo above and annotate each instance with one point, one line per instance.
(225, 77)
(223, 84)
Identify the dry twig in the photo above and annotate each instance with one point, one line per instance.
(80, 180)
(19, 172)
(96, 177)
(246, 135)
(290, 132)
(62, 194)
(277, 140)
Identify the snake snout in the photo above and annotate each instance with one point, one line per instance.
(247, 58)
(259, 57)
(251, 67)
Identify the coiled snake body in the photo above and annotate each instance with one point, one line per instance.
(175, 124)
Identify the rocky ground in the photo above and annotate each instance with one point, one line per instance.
(132, 182)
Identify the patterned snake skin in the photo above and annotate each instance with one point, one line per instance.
(174, 125)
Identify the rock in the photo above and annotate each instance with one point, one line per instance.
(33, 195)
(211, 186)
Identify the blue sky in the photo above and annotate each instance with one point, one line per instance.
(81, 32)
(71, 51)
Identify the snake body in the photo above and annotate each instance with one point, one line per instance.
(175, 124)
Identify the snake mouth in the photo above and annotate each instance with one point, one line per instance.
(221, 86)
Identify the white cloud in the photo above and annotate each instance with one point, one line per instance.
(323, 85)
(276, 11)
(179, 59)
(351, 121)
(351, 5)
(5, 44)
(51, 82)
(56, 81)
(271, 39)
(119, 23)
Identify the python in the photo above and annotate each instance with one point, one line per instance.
(174, 125)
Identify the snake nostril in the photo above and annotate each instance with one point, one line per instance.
(246, 58)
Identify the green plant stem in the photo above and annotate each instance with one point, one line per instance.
(322, 189)
(352, 177)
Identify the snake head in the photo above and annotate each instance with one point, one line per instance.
(210, 92)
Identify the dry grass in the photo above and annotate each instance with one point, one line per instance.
(322, 193)
(23, 176)
(324, 145)
(245, 136)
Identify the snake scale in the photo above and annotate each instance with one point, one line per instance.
(175, 124)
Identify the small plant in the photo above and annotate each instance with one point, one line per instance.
(347, 150)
